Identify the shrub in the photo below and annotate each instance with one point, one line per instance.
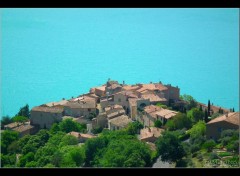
(209, 144)
(213, 156)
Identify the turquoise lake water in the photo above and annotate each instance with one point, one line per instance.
(48, 54)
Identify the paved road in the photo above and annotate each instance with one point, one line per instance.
(160, 164)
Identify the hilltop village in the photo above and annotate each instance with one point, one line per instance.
(114, 106)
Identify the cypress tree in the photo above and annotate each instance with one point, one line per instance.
(233, 110)
(206, 115)
(209, 106)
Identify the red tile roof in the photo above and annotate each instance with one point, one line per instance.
(48, 109)
(232, 117)
(150, 132)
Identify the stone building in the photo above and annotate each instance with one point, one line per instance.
(80, 108)
(224, 122)
(44, 116)
(119, 122)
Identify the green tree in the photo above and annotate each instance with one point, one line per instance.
(68, 140)
(191, 102)
(54, 128)
(134, 128)
(209, 145)
(8, 160)
(91, 148)
(20, 119)
(170, 125)
(179, 121)
(199, 129)
(209, 108)
(121, 153)
(36, 141)
(24, 111)
(7, 137)
(69, 125)
(195, 115)
(44, 155)
(25, 158)
(158, 123)
(72, 156)
(5, 120)
(31, 164)
(169, 147)
(206, 116)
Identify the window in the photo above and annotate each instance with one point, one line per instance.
(219, 129)
(89, 109)
(119, 100)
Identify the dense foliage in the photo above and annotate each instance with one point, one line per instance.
(169, 147)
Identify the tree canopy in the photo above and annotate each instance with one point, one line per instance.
(169, 147)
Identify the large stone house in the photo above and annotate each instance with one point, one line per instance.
(80, 108)
(152, 113)
(119, 122)
(22, 128)
(168, 92)
(44, 116)
(113, 87)
(224, 122)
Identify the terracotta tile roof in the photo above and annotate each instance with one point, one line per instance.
(160, 87)
(166, 113)
(129, 87)
(153, 97)
(11, 125)
(115, 114)
(79, 135)
(129, 94)
(108, 108)
(48, 109)
(82, 98)
(216, 108)
(23, 128)
(102, 88)
(152, 87)
(62, 102)
(150, 132)
(151, 108)
(232, 117)
(120, 121)
(81, 104)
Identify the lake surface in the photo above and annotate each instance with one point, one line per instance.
(48, 54)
